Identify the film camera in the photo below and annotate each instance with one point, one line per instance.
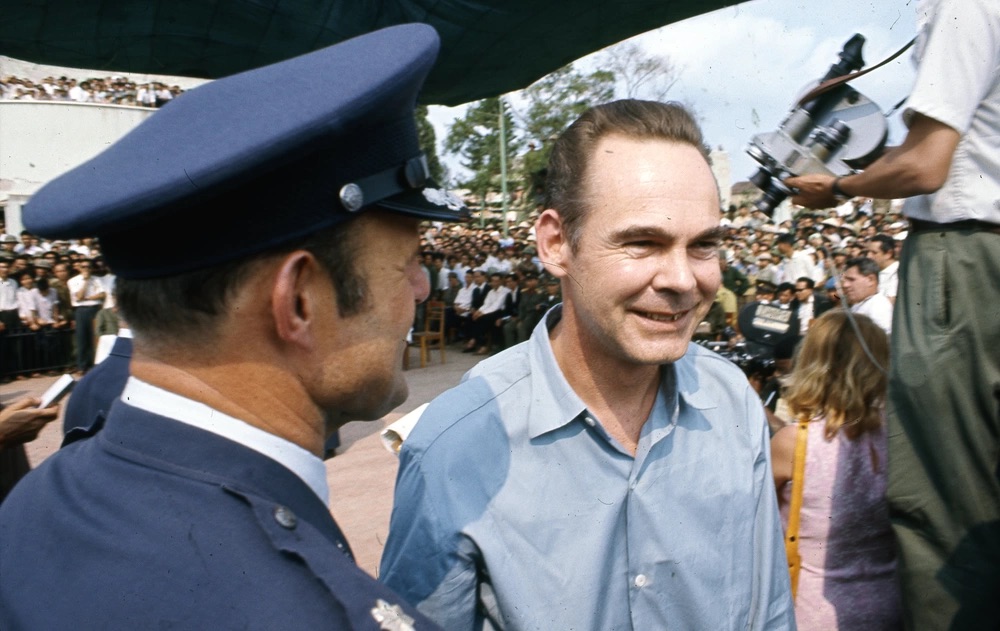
(835, 132)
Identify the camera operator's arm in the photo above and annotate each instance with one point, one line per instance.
(917, 167)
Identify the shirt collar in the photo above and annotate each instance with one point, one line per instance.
(302, 463)
(555, 403)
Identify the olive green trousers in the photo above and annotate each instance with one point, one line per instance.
(944, 429)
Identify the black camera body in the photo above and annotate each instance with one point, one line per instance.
(834, 133)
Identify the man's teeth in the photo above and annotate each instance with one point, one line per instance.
(663, 318)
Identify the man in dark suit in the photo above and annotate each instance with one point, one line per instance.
(202, 501)
(808, 304)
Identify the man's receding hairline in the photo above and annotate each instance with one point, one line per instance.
(588, 172)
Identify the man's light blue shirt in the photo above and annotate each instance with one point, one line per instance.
(515, 509)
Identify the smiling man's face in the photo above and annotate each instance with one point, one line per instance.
(645, 270)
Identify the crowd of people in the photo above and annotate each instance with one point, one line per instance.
(104, 90)
(56, 300)
(807, 265)
(482, 275)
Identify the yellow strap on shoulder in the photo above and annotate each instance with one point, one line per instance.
(798, 482)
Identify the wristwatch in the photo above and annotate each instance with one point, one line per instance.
(838, 193)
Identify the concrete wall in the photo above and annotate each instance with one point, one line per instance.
(40, 140)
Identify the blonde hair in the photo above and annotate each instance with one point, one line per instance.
(834, 377)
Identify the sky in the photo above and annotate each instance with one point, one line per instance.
(742, 67)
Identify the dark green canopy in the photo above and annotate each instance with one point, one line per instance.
(489, 46)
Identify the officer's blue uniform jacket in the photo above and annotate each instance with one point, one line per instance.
(93, 395)
(152, 524)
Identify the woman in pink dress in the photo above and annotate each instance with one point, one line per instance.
(846, 580)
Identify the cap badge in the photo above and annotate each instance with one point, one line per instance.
(352, 197)
(441, 197)
(391, 617)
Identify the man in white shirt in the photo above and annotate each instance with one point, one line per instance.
(766, 272)
(944, 493)
(483, 319)
(860, 285)
(77, 93)
(797, 263)
(87, 296)
(10, 321)
(882, 249)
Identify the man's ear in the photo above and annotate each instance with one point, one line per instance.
(296, 293)
(553, 243)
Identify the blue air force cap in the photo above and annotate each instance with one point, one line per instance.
(257, 160)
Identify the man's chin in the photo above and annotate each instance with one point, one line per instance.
(374, 409)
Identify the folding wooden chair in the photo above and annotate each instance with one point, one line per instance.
(433, 335)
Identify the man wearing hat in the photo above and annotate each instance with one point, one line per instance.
(201, 500)
(767, 272)
(8, 243)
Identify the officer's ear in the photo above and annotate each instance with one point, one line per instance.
(553, 243)
(298, 289)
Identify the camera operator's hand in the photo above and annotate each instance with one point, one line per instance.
(21, 421)
(815, 191)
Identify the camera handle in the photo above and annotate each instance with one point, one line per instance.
(829, 84)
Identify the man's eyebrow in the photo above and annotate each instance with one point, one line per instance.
(713, 234)
(636, 232)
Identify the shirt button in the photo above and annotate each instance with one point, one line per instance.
(285, 517)
(640, 580)
(589, 421)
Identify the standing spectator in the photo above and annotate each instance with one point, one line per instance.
(797, 263)
(848, 559)
(882, 250)
(733, 279)
(87, 297)
(27, 304)
(860, 285)
(531, 307)
(60, 282)
(443, 272)
(77, 92)
(10, 322)
(766, 272)
(808, 304)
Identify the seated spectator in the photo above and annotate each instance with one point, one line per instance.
(483, 320)
(846, 546)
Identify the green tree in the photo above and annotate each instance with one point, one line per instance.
(553, 102)
(475, 139)
(543, 110)
(428, 143)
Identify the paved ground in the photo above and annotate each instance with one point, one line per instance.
(361, 477)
